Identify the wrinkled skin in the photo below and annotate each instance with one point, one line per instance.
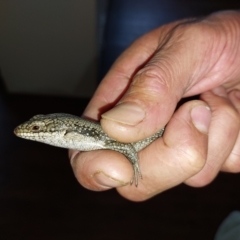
(177, 60)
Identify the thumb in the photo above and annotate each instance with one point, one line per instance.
(192, 58)
(156, 89)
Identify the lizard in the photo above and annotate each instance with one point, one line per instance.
(73, 132)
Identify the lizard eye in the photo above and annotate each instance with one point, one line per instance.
(35, 128)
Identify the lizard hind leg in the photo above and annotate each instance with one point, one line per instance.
(131, 154)
(137, 173)
(129, 151)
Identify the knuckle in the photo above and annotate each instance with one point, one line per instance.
(152, 80)
(226, 117)
(233, 163)
(193, 160)
(201, 180)
(205, 176)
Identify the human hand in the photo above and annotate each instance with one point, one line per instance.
(147, 81)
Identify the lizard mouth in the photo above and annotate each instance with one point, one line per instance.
(16, 131)
(20, 133)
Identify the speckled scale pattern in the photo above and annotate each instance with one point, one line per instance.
(69, 131)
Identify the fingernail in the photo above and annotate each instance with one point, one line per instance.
(219, 91)
(201, 117)
(107, 181)
(126, 113)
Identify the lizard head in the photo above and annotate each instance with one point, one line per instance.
(48, 129)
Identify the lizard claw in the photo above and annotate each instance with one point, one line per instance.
(137, 174)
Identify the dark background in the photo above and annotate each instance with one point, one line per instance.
(40, 198)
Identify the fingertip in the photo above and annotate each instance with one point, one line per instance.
(201, 117)
(202, 178)
(121, 122)
(125, 113)
(95, 171)
(72, 154)
(105, 180)
(220, 91)
(186, 135)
